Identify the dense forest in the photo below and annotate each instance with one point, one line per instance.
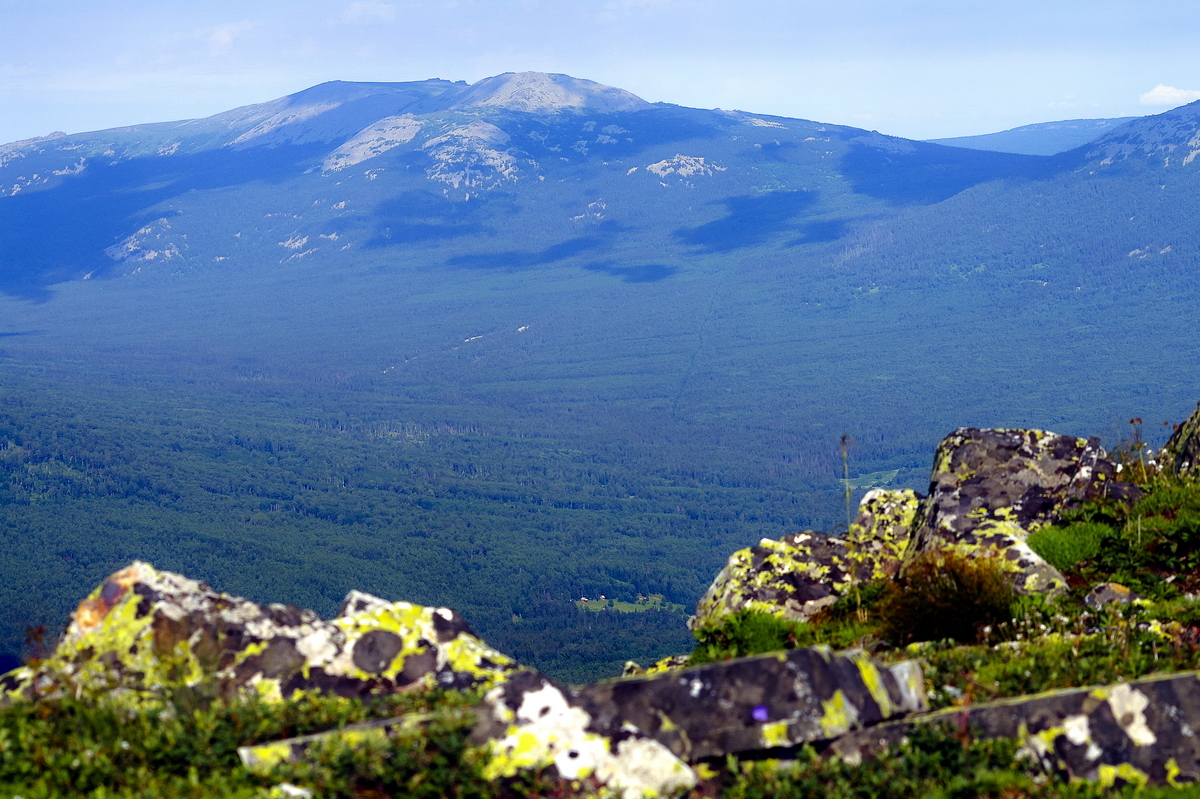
(596, 378)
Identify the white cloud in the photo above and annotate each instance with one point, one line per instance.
(1169, 95)
(366, 11)
(221, 37)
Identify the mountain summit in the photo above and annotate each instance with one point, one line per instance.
(539, 92)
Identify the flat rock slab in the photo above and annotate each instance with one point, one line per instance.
(145, 631)
(1141, 732)
(756, 703)
(637, 735)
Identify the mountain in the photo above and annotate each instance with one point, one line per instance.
(1042, 138)
(504, 345)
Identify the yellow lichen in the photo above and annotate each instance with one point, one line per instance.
(1108, 775)
(838, 715)
(775, 733)
(263, 758)
(873, 681)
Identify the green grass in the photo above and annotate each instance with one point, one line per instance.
(1067, 547)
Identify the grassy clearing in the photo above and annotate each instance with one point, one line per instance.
(639, 606)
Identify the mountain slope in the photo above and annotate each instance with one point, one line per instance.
(1042, 138)
(504, 345)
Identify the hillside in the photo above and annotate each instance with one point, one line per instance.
(502, 346)
(1042, 138)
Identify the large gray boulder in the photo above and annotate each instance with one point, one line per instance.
(637, 735)
(754, 703)
(991, 488)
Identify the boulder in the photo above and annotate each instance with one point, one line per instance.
(1182, 449)
(881, 530)
(755, 703)
(144, 631)
(1140, 732)
(991, 488)
(793, 579)
(532, 722)
(797, 576)
(636, 737)
(1110, 594)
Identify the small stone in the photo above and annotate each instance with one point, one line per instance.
(1109, 594)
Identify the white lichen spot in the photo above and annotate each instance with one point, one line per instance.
(1128, 707)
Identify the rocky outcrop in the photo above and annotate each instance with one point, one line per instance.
(144, 631)
(1140, 732)
(792, 579)
(797, 576)
(1027, 477)
(991, 488)
(1182, 449)
(880, 533)
(638, 734)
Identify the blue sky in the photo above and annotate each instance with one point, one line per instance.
(917, 68)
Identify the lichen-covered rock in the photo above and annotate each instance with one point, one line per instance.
(792, 579)
(262, 758)
(754, 703)
(797, 576)
(531, 722)
(145, 630)
(991, 488)
(1182, 449)
(880, 533)
(669, 663)
(1140, 732)
(1110, 594)
(635, 737)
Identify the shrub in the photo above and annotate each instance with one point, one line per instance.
(946, 594)
(1066, 547)
(747, 632)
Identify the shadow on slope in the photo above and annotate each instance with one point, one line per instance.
(641, 273)
(751, 220)
(60, 233)
(524, 259)
(915, 173)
